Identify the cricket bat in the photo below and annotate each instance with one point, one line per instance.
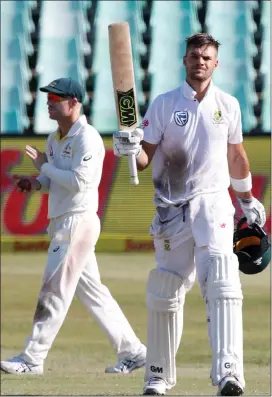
(124, 84)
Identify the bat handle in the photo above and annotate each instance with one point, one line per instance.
(133, 170)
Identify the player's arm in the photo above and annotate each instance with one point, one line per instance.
(146, 155)
(83, 167)
(43, 182)
(239, 170)
(26, 183)
(29, 183)
(240, 176)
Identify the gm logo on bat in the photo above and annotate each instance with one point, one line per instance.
(127, 107)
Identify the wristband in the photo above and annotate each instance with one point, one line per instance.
(242, 185)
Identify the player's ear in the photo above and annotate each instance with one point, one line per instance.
(74, 101)
(216, 64)
(184, 60)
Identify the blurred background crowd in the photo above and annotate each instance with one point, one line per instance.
(45, 40)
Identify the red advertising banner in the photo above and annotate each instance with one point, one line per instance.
(125, 211)
(15, 205)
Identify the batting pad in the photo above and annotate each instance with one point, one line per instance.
(165, 300)
(224, 300)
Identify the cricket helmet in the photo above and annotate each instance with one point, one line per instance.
(251, 245)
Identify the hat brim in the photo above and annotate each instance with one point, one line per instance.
(53, 90)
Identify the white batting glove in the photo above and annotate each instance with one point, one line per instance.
(127, 143)
(253, 210)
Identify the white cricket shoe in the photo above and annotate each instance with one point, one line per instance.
(229, 386)
(155, 387)
(128, 364)
(18, 366)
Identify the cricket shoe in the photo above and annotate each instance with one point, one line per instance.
(155, 387)
(18, 366)
(230, 386)
(128, 364)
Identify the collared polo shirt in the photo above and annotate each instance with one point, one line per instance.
(192, 139)
(74, 169)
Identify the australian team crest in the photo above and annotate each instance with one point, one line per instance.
(181, 118)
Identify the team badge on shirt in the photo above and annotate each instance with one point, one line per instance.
(67, 151)
(167, 246)
(217, 116)
(181, 118)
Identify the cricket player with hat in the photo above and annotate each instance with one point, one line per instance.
(71, 170)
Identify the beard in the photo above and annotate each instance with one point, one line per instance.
(203, 76)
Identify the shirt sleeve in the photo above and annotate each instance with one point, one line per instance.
(152, 122)
(235, 134)
(44, 181)
(86, 154)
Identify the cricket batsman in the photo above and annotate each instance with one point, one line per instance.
(194, 136)
(71, 170)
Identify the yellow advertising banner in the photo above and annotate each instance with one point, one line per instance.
(126, 211)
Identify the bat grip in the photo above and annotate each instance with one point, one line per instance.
(133, 170)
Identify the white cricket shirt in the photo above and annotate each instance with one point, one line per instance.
(192, 138)
(74, 169)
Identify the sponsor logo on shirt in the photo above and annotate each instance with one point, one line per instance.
(86, 158)
(181, 118)
(145, 123)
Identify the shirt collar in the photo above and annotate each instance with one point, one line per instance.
(81, 121)
(190, 93)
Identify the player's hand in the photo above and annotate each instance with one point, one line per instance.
(26, 184)
(253, 210)
(127, 143)
(38, 158)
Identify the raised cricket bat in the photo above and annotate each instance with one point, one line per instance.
(124, 84)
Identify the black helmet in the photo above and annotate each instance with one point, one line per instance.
(251, 245)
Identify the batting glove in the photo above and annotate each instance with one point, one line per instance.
(127, 143)
(253, 210)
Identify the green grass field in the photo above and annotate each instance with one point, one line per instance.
(76, 362)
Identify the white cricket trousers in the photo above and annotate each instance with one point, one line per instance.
(188, 240)
(72, 269)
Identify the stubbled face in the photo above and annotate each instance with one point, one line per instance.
(200, 62)
(58, 107)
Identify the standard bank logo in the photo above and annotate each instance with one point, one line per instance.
(181, 118)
